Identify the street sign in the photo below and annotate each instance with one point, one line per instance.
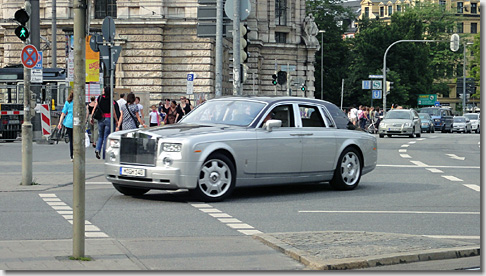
(427, 99)
(245, 9)
(377, 84)
(366, 84)
(108, 29)
(437, 103)
(29, 56)
(190, 84)
(376, 94)
(39, 63)
(375, 76)
(105, 55)
(36, 76)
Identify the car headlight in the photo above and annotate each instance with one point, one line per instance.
(171, 147)
(436, 120)
(114, 143)
(382, 124)
(407, 124)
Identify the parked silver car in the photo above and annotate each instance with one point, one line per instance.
(461, 124)
(242, 141)
(475, 119)
(400, 122)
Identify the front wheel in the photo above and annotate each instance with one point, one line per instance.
(217, 178)
(348, 171)
(130, 191)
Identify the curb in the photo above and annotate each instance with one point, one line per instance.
(314, 263)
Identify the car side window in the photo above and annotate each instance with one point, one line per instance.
(329, 120)
(311, 117)
(283, 113)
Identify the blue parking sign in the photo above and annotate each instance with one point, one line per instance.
(190, 77)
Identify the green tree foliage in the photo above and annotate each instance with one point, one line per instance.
(335, 51)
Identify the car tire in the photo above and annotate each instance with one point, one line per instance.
(348, 170)
(389, 135)
(217, 178)
(129, 191)
(381, 135)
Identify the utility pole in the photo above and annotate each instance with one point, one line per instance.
(79, 121)
(54, 37)
(27, 131)
(464, 82)
(219, 48)
(35, 40)
(236, 49)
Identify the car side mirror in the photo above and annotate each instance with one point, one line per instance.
(270, 124)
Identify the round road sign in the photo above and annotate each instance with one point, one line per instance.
(29, 56)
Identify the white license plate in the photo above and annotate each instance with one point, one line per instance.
(13, 122)
(393, 129)
(132, 171)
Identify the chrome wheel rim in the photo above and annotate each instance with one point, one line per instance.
(350, 168)
(215, 178)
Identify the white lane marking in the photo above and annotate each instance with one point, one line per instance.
(453, 237)
(226, 219)
(453, 156)
(451, 178)
(91, 231)
(434, 170)
(392, 212)
(405, 156)
(473, 186)
(405, 146)
(421, 139)
(414, 166)
(402, 150)
(419, 164)
(412, 142)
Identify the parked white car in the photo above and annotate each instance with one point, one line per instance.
(475, 119)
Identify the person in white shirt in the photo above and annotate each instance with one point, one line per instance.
(140, 108)
(154, 116)
(122, 100)
(353, 114)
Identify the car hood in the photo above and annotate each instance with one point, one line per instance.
(180, 130)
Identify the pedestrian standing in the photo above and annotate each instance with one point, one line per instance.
(154, 116)
(122, 100)
(104, 125)
(130, 118)
(140, 108)
(172, 114)
(93, 124)
(164, 109)
(354, 115)
(67, 120)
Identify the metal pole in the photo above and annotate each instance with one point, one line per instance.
(35, 89)
(464, 82)
(236, 50)
(54, 37)
(219, 48)
(384, 65)
(322, 65)
(112, 72)
(27, 125)
(79, 121)
(342, 93)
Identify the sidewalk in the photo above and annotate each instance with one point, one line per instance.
(311, 251)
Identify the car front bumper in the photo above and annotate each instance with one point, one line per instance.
(395, 130)
(458, 129)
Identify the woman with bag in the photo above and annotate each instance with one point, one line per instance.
(104, 124)
(92, 124)
(129, 114)
(67, 120)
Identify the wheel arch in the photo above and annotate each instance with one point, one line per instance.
(351, 146)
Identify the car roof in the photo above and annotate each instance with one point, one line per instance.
(270, 99)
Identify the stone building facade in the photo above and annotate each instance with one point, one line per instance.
(160, 45)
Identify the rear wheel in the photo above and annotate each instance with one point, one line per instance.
(129, 191)
(348, 170)
(382, 135)
(217, 178)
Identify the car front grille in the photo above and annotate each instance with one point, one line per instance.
(139, 151)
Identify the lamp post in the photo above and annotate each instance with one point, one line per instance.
(322, 64)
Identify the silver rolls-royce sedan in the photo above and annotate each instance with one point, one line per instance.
(242, 141)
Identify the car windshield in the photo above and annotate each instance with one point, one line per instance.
(459, 119)
(230, 112)
(472, 116)
(398, 115)
(431, 111)
(424, 116)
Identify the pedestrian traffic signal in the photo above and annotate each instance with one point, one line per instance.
(244, 54)
(281, 77)
(21, 31)
(274, 81)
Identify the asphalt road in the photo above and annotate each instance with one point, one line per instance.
(421, 186)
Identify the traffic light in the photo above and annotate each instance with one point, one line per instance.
(274, 77)
(244, 42)
(21, 31)
(302, 87)
(281, 77)
(243, 72)
(388, 87)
